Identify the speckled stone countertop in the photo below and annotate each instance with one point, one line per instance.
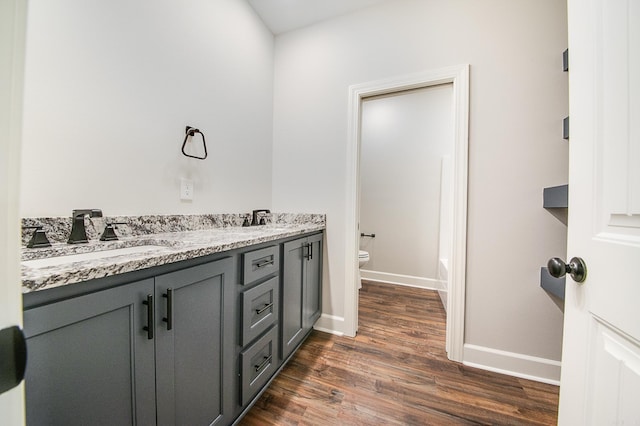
(148, 241)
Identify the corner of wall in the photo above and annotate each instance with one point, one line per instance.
(330, 324)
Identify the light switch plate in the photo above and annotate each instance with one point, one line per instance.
(186, 189)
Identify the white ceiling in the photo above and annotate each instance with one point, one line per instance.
(286, 15)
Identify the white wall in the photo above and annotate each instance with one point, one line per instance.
(403, 139)
(110, 87)
(517, 101)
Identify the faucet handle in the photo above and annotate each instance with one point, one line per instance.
(109, 233)
(39, 237)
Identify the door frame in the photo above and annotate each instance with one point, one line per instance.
(13, 18)
(458, 75)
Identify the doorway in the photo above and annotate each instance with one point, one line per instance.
(458, 76)
(405, 147)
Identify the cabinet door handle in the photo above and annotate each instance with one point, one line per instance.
(308, 254)
(264, 308)
(264, 263)
(267, 360)
(169, 318)
(150, 321)
(310, 251)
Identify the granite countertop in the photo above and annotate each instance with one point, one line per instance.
(46, 268)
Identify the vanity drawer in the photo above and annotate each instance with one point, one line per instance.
(258, 363)
(259, 309)
(260, 263)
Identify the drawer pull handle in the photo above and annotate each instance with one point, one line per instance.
(150, 320)
(264, 263)
(169, 318)
(264, 308)
(267, 360)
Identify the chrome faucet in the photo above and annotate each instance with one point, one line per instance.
(78, 231)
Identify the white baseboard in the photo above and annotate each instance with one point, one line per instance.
(514, 364)
(330, 324)
(406, 280)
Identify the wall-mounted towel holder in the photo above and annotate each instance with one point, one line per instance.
(191, 131)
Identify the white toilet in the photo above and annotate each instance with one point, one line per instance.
(363, 257)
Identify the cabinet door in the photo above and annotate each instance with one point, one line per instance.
(90, 360)
(191, 336)
(292, 295)
(313, 284)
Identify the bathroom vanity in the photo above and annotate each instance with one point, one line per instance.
(188, 328)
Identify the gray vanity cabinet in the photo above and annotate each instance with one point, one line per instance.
(90, 361)
(194, 328)
(301, 290)
(93, 359)
(174, 344)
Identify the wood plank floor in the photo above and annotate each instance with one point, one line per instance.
(395, 372)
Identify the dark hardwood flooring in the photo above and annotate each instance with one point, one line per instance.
(396, 372)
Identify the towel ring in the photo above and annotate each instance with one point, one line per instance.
(191, 131)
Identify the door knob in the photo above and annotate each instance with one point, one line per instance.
(13, 353)
(576, 268)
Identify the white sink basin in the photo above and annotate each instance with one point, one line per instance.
(81, 257)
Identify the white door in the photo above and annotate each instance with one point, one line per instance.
(600, 383)
(12, 27)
